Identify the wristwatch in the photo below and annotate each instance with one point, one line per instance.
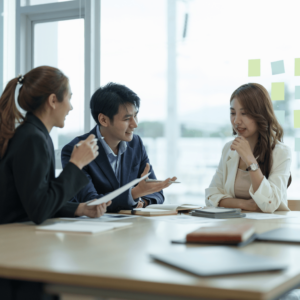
(144, 203)
(253, 167)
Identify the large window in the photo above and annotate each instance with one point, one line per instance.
(214, 41)
(194, 51)
(61, 44)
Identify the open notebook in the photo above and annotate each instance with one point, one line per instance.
(160, 209)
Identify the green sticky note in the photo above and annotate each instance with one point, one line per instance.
(297, 144)
(253, 67)
(297, 66)
(280, 116)
(296, 118)
(277, 91)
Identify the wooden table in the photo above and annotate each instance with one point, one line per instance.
(117, 264)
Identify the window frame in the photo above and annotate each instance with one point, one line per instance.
(89, 10)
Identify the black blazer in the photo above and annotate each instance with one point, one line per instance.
(29, 190)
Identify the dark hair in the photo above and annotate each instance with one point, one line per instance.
(257, 103)
(37, 85)
(107, 99)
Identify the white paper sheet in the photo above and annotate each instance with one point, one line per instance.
(104, 218)
(263, 216)
(75, 227)
(117, 192)
(184, 219)
(82, 226)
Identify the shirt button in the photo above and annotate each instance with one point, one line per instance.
(270, 201)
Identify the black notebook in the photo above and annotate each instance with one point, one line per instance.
(219, 260)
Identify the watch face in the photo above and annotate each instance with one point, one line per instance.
(254, 167)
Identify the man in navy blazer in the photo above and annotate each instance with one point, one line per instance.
(122, 155)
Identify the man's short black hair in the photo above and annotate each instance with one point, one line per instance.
(107, 99)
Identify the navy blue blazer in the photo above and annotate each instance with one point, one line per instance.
(102, 179)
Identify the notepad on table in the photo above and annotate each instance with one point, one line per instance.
(174, 207)
(221, 234)
(81, 227)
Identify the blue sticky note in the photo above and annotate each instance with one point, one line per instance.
(277, 67)
(297, 92)
(280, 116)
(297, 144)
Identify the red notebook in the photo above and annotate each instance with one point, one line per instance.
(221, 234)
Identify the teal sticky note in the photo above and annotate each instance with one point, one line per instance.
(297, 144)
(297, 92)
(280, 116)
(277, 67)
(253, 67)
(277, 91)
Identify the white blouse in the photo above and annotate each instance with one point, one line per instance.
(272, 192)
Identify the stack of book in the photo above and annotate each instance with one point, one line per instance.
(218, 213)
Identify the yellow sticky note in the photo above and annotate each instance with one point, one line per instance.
(253, 67)
(297, 66)
(296, 118)
(277, 91)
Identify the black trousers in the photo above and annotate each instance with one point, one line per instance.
(23, 290)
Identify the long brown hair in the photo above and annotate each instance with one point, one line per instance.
(37, 85)
(255, 100)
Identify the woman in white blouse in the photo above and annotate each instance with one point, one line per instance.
(254, 171)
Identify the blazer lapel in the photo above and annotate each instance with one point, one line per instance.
(126, 163)
(103, 163)
(231, 169)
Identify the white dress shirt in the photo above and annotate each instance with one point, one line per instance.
(272, 192)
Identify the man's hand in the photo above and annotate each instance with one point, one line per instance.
(94, 211)
(145, 188)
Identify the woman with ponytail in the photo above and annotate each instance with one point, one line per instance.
(28, 187)
(254, 171)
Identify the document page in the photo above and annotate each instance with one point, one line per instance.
(263, 216)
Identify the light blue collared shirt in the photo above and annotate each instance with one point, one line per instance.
(115, 160)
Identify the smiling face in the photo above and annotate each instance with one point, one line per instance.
(123, 124)
(241, 123)
(63, 108)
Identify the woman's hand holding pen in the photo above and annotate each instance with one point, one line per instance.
(242, 147)
(84, 152)
(93, 211)
(144, 188)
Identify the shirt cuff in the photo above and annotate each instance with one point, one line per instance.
(131, 201)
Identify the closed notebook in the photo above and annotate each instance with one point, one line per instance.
(218, 260)
(221, 234)
(285, 235)
(218, 213)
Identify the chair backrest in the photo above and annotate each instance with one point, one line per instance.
(294, 205)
